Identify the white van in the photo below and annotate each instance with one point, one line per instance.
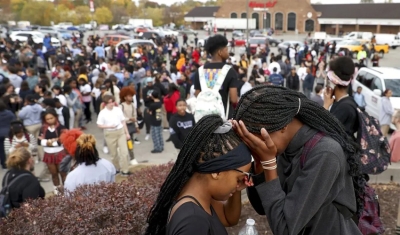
(374, 81)
(359, 35)
(392, 40)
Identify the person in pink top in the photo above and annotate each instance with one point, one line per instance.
(394, 141)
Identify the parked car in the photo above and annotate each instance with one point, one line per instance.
(103, 27)
(141, 29)
(114, 39)
(238, 42)
(134, 43)
(354, 46)
(284, 45)
(271, 41)
(65, 35)
(37, 37)
(187, 32)
(374, 81)
(255, 42)
(237, 33)
(149, 34)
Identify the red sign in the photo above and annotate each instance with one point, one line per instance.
(262, 5)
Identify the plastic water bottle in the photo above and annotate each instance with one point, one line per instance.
(249, 228)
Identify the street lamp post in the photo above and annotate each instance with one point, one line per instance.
(247, 22)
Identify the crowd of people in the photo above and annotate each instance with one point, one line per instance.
(275, 108)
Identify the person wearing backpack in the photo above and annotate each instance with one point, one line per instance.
(336, 98)
(19, 137)
(216, 76)
(19, 184)
(307, 178)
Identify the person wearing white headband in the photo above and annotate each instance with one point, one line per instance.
(336, 96)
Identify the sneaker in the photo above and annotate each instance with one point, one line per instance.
(168, 140)
(137, 141)
(166, 129)
(43, 179)
(134, 162)
(117, 172)
(147, 137)
(105, 150)
(156, 151)
(125, 174)
(56, 191)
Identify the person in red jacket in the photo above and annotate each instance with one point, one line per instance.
(170, 101)
(196, 55)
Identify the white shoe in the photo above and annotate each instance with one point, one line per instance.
(147, 137)
(105, 150)
(56, 191)
(134, 162)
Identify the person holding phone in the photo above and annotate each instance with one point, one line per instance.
(336, 96)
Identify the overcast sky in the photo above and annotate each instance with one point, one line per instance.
(169, 2)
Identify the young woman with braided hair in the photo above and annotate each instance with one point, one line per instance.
(307, 172)
(211, 167)
(90, 168)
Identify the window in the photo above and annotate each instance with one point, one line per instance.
(278, 21)
(394, 85)
(367, 81)
(256, 17)
(267, 20)
(233, 15)
(309, 27)
(377, 84)
(243, 16)
(361, 76)
(291, 22)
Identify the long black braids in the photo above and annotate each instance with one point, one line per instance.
(274, 107)
(200, 145)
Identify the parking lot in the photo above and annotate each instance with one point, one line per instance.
(390, 59)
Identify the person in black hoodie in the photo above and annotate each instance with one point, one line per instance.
(180, 124)
(24, 184)
(147, 91)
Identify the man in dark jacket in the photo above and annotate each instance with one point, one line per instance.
(6, 117)
(308, 83)
(293, 81)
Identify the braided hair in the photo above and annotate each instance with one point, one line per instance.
(274, 107)
(86, 151)
(201, 145)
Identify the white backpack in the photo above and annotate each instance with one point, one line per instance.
(209, 101)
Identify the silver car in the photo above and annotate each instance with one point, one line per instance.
(284, 45)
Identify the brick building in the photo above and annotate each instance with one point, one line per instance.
(301, 15)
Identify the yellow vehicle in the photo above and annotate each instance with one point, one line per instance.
(354, 46)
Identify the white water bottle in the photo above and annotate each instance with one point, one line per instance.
(249, 228)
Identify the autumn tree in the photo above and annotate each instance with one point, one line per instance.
(82, 15)
(41, 13)
(16, 7)
(103, 15)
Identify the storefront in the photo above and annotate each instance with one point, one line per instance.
(302, 16)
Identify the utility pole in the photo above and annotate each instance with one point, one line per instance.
(247, 22)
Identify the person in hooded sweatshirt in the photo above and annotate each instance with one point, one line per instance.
(30, 115)
(180, 124)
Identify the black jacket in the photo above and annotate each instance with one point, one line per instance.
(293, 82)
(26, 187)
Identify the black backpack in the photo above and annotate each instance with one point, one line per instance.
(5, 202)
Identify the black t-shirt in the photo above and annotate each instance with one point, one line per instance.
(180, 127)
(155, 113)
(189, 218)
(345, 111)
(211, 71)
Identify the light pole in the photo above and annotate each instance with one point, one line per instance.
(247, 22)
